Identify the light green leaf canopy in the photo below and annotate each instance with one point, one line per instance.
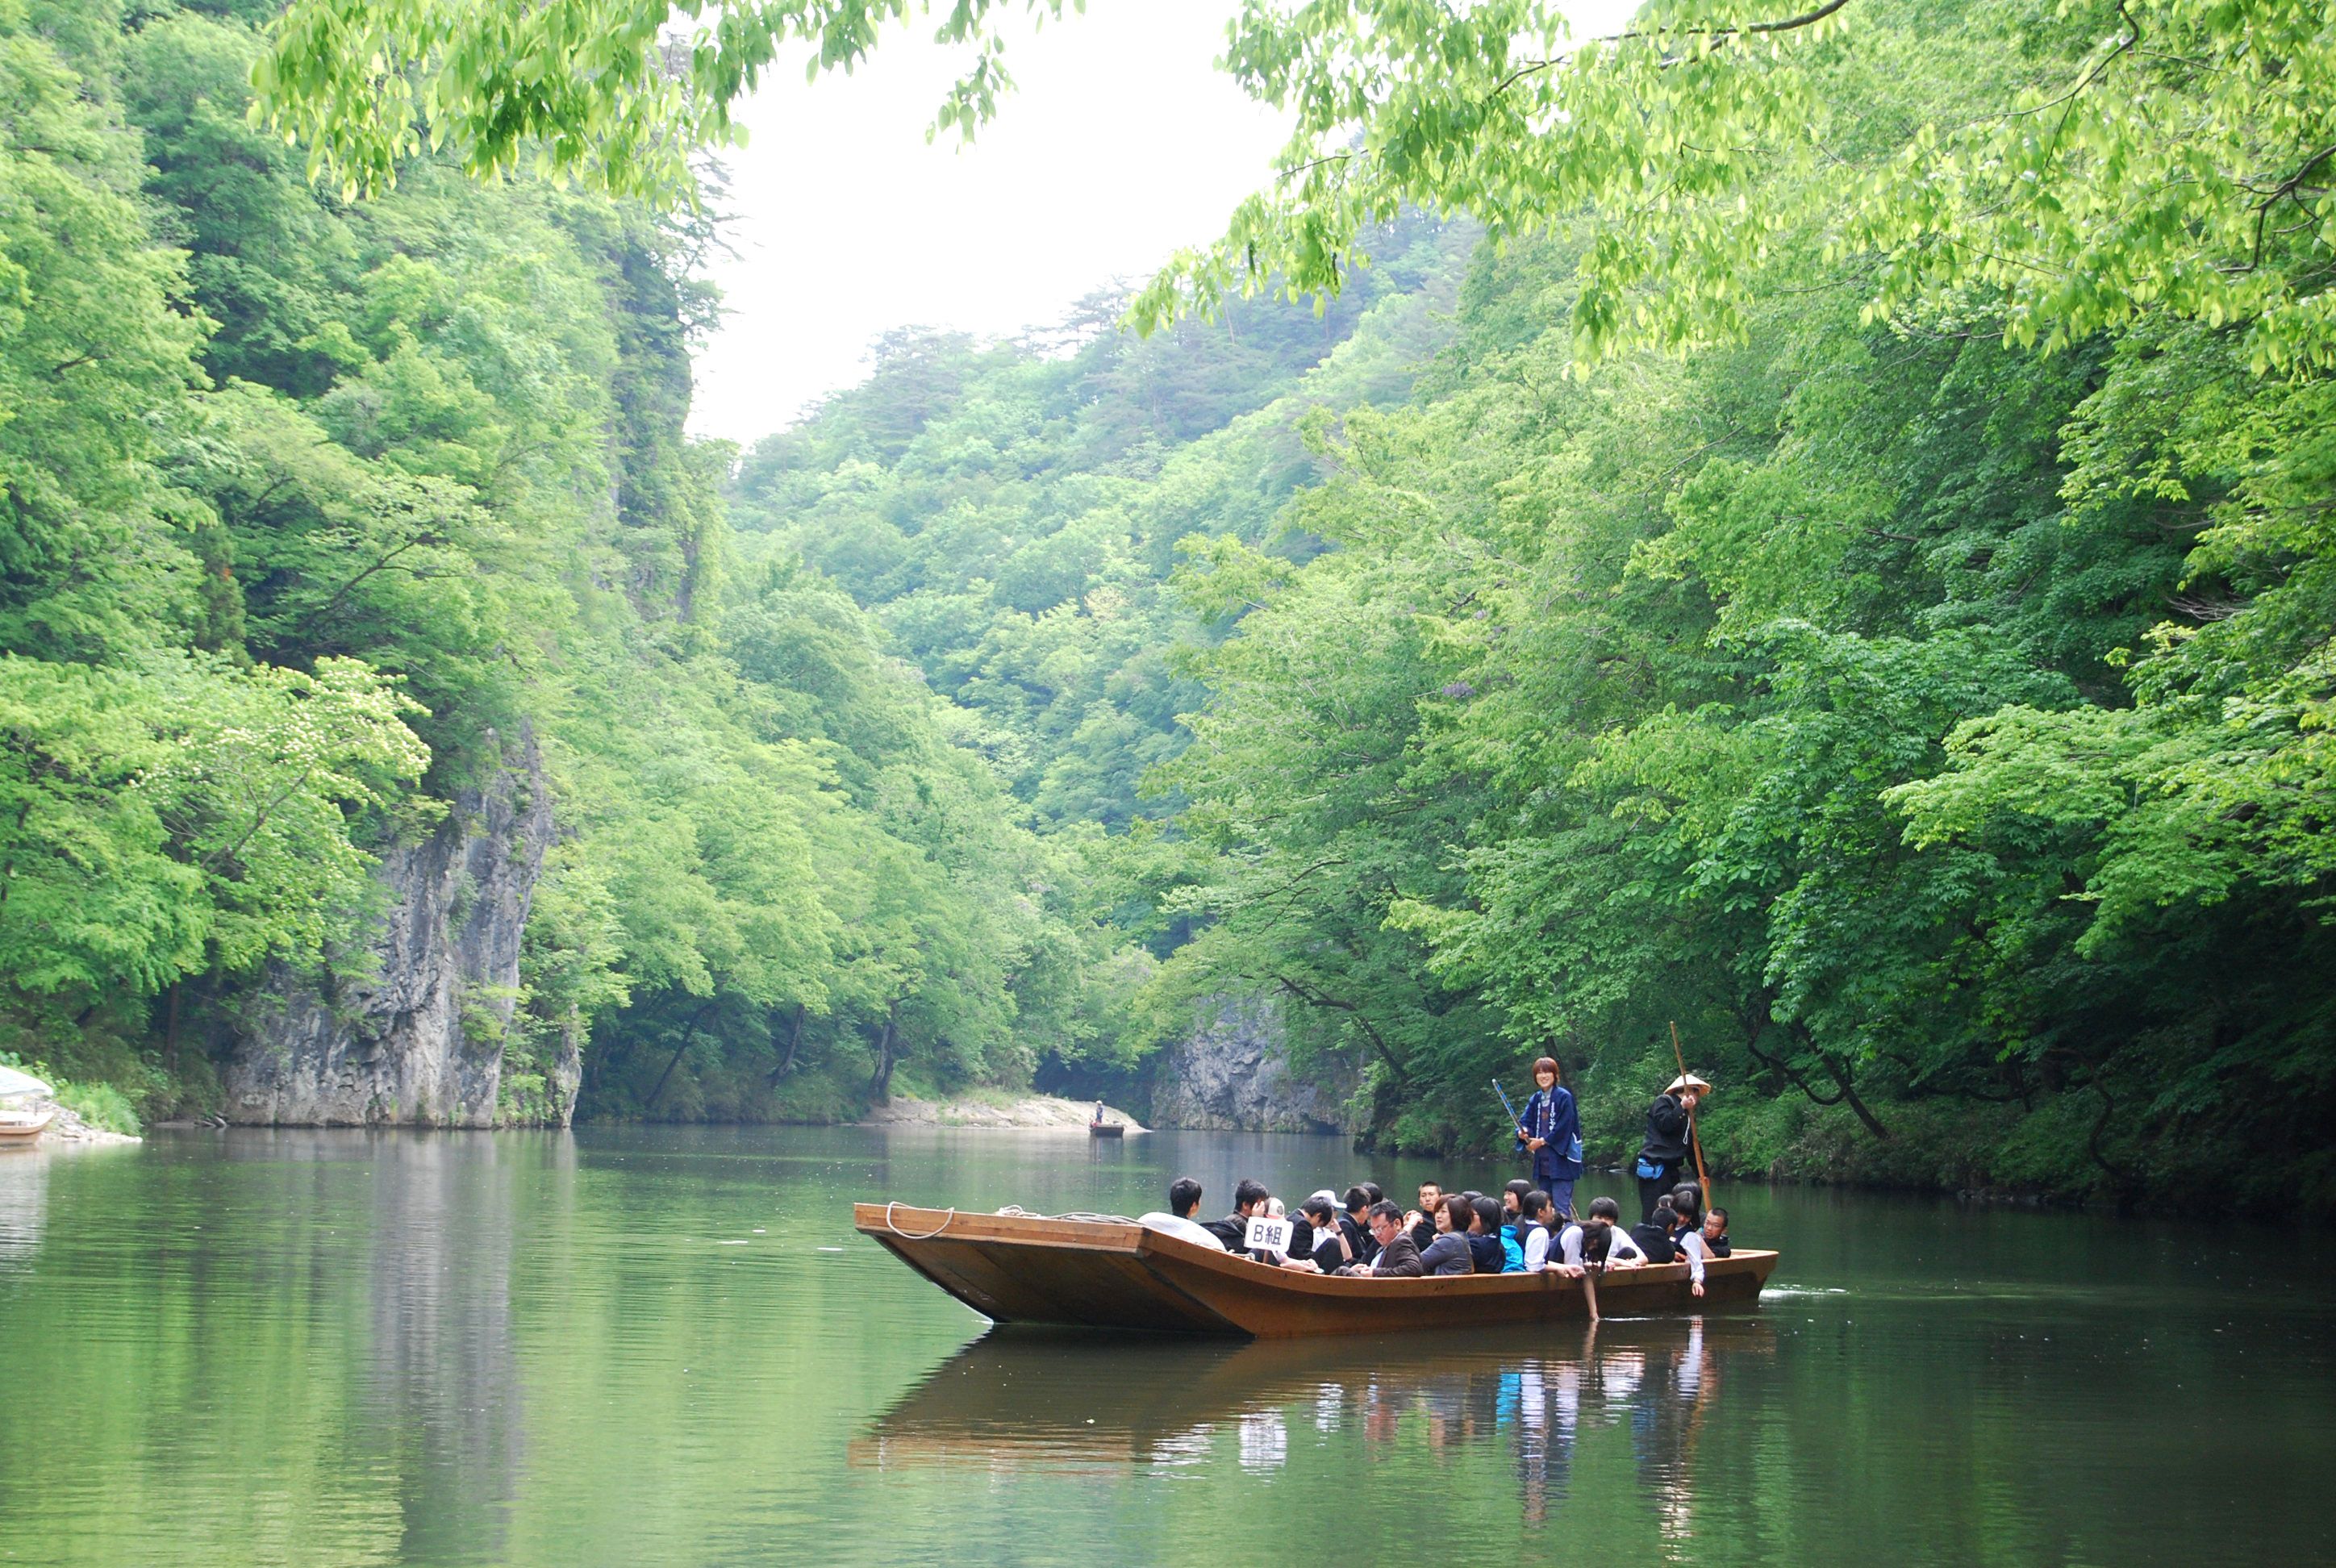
(619, 92)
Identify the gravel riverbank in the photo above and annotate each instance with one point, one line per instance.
(1023, 1111)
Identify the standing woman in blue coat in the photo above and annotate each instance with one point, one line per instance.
(1551, 1136)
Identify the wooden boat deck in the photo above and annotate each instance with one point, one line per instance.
(1112, 1274)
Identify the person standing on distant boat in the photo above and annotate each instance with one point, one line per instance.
(1549, 1130)
(1663, 1158)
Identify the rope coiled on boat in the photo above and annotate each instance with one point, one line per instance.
(1010, 1212)
(912, 1236)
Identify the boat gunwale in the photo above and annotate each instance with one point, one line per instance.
(902, 1226)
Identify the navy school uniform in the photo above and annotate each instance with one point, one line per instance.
(1551, 1115)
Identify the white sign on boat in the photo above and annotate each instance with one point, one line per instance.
(1268, 1235)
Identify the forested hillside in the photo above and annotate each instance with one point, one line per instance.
(1912, 674)
(1831, 551)
(319, 515)
(1920, 700)
(1011, 513)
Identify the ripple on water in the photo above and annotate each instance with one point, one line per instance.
(647, 1344)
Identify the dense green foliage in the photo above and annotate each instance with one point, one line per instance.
(1935, 727)
(1847, 570)
(316, 514)
(621, 90)
(1914, 683)
(1011, 513)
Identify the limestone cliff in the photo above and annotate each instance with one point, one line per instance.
(419, 1041)
(1232, 1074)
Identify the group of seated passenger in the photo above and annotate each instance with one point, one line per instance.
(1364, 1235)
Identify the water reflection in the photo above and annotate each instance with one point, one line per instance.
(442, 1354)
(24, 1203)
(1016, 1401)
(342, 1348)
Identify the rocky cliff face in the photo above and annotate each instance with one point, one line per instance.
(419, 1042)
(1232, 1074)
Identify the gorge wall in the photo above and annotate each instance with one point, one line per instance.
(419, 1041)
(1232, 1074)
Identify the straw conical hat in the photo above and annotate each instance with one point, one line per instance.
(1688, 1081)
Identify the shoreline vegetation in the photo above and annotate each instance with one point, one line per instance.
(1806, 560)
(71, 1129)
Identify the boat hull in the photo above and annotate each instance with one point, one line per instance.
(1112, 1274)
(23, 1132)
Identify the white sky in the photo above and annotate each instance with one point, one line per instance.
(1121, 142)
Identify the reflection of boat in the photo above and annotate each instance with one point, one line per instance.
(1013, 1398)
(1115, 1275)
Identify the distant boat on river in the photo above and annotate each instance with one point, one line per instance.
(1108, 1273)
(1107, 1129)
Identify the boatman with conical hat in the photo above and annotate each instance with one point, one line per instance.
(1665, 1158)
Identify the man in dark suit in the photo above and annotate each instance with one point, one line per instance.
(1398, 1258)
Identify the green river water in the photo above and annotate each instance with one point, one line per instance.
(653, 1346)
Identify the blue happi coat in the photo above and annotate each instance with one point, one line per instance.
(1550, 1116)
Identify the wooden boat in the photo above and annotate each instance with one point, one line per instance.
(1107, 1129)
(23, 1129)
(1115, 1275)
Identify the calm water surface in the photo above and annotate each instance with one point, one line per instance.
(668, 1347)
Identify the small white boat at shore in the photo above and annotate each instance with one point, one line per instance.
(20, 1127)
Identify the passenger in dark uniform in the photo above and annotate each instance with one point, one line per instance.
(1248, 1202)
(1484, 1248)
(1359, 1200)
(1331, 1250)
(1715, 1232)
(1423, 1229)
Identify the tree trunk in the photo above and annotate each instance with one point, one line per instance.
(1319, 998)
(1844, 1086)
(795, 1043)
(170, 1034)
(1841, 1075)
(880, 1087)
(688, 1033)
